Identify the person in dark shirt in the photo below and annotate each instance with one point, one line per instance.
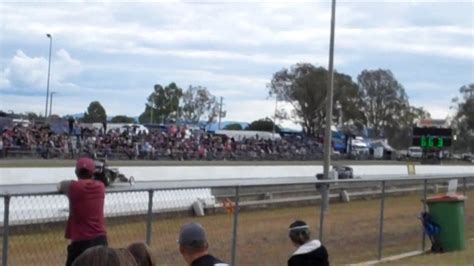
(86, 224)
(309, 252)
(194, 248)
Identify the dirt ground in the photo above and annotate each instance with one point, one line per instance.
(350, 233)
(465, 257)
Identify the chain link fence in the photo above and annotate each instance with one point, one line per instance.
(246, 225)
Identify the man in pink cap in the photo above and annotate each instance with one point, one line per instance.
(86, 224)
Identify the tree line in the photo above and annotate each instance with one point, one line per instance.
(375, 103)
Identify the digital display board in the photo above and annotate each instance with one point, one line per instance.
(431, 142)
(432, 137)
(432, 131)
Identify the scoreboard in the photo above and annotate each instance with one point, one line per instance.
(432, 137)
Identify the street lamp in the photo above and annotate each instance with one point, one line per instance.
(327, 135)
(49, 70)
(51, 102)
(339, 113)
(275, 115)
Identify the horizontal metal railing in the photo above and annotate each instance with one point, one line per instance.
(10, 191)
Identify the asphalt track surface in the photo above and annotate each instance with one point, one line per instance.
(65, 163)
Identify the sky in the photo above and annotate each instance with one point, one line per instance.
(114, 52)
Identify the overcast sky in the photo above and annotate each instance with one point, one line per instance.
(115, 52)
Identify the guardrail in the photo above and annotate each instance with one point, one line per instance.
(152, 189)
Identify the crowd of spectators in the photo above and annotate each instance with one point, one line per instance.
(167, 143)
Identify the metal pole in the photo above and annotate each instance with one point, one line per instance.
(149, 217)
(235, 226)
(51, 103)
(275, 114)
(423, 237)
(382, 208)
(49, 71)
(327, 135)
(220, 114)
(6, 230)
(321, 217)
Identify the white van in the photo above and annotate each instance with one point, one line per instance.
(415, 152)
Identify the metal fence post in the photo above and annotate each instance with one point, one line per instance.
(6, 229)
(423, 237)
(382, 209)
(235, 225)
(324, 194)
(149, 217)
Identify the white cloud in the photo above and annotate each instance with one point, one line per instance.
(232, 48)
(435, 41)
(4, 82)
(27, 73)
(251, 110)
(24, 71)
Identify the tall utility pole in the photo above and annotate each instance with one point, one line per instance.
(327, 134)
(220, 114)
(51, 103)
(49, 70)
(275, 115)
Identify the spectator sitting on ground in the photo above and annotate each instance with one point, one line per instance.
(308, 252)
(105, 256)
(193, 246)
(142, 254)
(86, 224)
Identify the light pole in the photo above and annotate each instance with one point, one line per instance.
(339, 113)
(220, 114)
(327, 135)
(275, 116)
(49, 70)
(51, 102)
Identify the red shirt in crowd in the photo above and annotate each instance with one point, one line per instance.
(86, 210)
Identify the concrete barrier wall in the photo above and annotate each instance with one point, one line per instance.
(37, 209)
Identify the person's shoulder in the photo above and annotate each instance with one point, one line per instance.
(218, 262)
(88, 183)
(318, 256)
(208, 260)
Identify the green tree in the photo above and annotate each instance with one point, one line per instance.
(95, 113)
(234, 126)
(463, 120)
(400, 133)
(305, 86)
(162, 104)
(197, 102)
(122, 119)
(214, 110)
(32, 116)
(265, 124)
(383, 100)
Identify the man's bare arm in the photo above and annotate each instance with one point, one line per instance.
(63, 187)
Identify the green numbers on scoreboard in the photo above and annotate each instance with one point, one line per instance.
(431, 142)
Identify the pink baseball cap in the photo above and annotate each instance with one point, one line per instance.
(85, 163)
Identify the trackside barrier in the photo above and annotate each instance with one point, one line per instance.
(144, 214)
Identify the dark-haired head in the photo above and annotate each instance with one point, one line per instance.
(142, 254)
(299, 232)
(105, 256)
